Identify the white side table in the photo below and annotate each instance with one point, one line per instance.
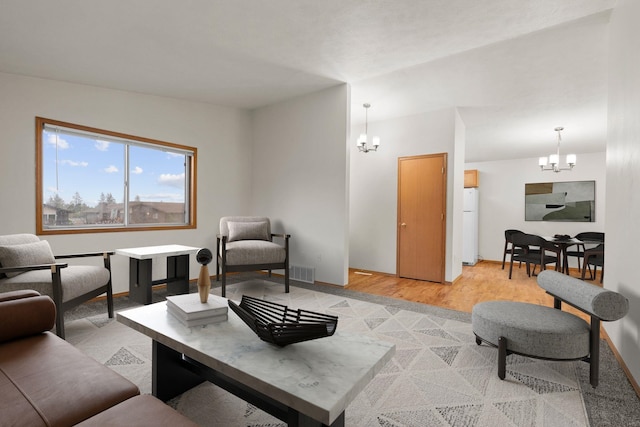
(140, 268)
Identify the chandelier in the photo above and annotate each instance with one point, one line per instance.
(362, 140)
(552, 163)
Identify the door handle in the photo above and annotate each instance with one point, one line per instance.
(404, 224)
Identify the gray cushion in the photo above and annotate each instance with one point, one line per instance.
(532, 329)
(76, 280)
(249, 252)
(18, 239)
(224, 229)
(251, 230)
(602, 303)
(26, 254)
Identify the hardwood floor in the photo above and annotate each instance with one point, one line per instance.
(484, 281)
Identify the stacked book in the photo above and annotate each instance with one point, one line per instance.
(190, 311)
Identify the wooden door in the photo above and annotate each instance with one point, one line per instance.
(422, 195)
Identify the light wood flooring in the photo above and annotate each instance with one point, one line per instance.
(484, 281)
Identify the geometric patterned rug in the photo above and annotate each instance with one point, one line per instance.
(438, 376)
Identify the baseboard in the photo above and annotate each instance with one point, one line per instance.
(370, 272)
(161, 286)
(379, 273)
(488, 261)
(613, 348)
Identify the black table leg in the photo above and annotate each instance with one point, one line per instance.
(141, 283)
(169, 377)
(296, 419)
(174, 374)
(140, 280)
(178, 274)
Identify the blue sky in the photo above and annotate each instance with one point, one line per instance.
(92, 166)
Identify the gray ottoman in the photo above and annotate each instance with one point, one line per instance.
(530, 330)
(550, 333)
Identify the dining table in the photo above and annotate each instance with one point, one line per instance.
(563, 242)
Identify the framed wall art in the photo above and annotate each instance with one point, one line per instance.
(569, 201)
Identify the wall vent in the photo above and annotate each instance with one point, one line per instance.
(302, 274)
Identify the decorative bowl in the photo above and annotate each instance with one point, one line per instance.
(278, 324)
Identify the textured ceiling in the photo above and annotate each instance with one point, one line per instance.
(514, 68)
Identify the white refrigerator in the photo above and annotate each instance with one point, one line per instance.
(470, 227)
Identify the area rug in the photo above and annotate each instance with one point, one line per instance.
(438, 376)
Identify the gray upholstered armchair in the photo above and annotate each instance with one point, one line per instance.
(26, 262)
(245, 243)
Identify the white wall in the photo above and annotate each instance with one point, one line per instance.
(623, 178)
(374, 187)
(454, 225)
(222, 136)
(300, 178)
(501, 203)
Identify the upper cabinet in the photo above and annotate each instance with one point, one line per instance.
(471, 178)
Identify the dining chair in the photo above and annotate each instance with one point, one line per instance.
(587, 236)
(508, 245)
(535, 250)
(594, 257)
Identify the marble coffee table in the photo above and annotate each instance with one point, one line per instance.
(309, 383)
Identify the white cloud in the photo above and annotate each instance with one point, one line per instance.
(102, 145)
(172, 180)
(137, 170)
(62, 143)
(73, 163)
(111, 169)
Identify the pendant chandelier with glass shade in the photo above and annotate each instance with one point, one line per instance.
(552, 163)
(362, 140)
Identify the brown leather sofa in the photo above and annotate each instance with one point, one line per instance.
(45, 381)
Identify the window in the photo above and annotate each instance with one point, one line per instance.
(92, 180)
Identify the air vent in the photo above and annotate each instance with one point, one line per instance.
(302, 274)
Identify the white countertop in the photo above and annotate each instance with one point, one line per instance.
(146, 252)
(318, 378)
